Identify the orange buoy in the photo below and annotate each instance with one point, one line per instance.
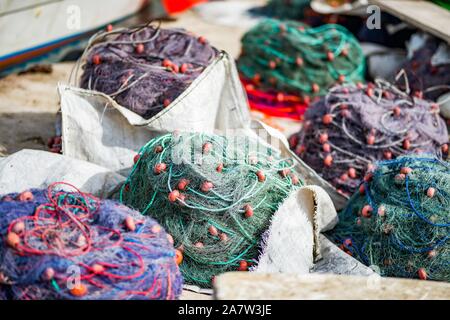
(328, 161)
(12, 239)
(130, 223)
(173, 196)
(98, 268)
(79, 290)
(422, 273)
(206, 186)
(159, 168)
(327, 119)
(248, 211)
(430, 192)
(96, 59)
(26, 196)
(213, 231)
(178, 256)
(243, 265)
(140, 48)
(223, 237)
(366, 211)
(18, 227)
(182, 184)
(261, 176)
(48, 274)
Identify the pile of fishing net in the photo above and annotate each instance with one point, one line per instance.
(284, 9)
(215, 195)
(71, 245)
(354, 126)
(428, 67)
(144, 68)
(400, 222)
(289, 58)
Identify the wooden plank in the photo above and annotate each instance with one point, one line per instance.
(424, 15)
(260, 286)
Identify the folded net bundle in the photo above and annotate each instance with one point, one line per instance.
(215, 195)
(71, 245)
(428, 69)
(284, 9)
(144, 68)
(352, 127)
(284, 58)
(401, 221)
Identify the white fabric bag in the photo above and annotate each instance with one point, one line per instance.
(97, 129)
(28, 169)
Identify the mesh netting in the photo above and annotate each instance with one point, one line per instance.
(401, 221)
(275, 104)
(290, 57)
(215, 195)
(144, 68)
(71, 245)
(284, 9)
(354, 126)
(428, 69)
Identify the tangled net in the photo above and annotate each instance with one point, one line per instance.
(284, 9)
(144, 68)
(215, 195)
(290, 58)
(71, 245)
(428, 70)
(354, 126)
(401, 221)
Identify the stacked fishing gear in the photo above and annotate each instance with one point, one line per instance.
(71, 245)
(400, 222)
(287, 58)
(145, 68)
(428, 68)
(354, 126)
(214, 195)
(284, 9)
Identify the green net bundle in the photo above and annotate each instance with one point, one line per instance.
(400, 219)
(284, 9)
(214, 194)
(291, 57)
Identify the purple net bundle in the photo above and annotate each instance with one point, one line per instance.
(71, 245)
(352, 127)
(428, 69)
(144, 68)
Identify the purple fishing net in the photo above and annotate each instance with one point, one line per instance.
(71, 245)
(428, 70)
(352, 127)
(145, 68)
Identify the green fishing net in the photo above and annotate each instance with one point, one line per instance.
(399, 221)
(214, 194)
(291, 57)
(286, 9)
